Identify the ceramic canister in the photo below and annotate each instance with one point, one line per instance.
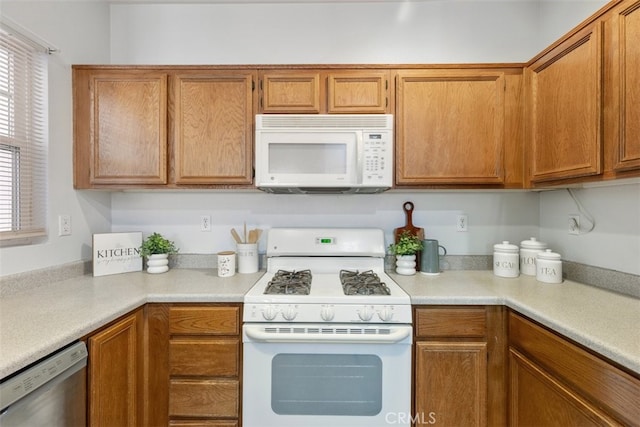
(549, 267)
(506, 262)
(528, 251)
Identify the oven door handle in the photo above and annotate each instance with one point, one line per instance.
(258, 334)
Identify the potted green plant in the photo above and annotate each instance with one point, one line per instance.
(405, 250)
(156, 250)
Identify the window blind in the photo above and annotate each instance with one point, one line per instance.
(23, 136)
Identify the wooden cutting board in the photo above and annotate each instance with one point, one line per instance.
(416, 231)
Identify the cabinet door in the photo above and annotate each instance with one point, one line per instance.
(450, 127)
(358, 92)
(124, 139)
(539, 399)
(566, 109)
(290, 92)
(115, 370)
(213, 127)
(625, 86)
(451, 383)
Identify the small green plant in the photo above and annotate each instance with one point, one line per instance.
(408, 244)
(156, 244)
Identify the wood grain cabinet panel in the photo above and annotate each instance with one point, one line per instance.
(566, 95)
(290, 92)
(204, 357)
(451, 322)
(451, 383)
(450, 127)
(460, 365)
(325, 91)
(537, 399)
(204, 365)
(203, 398)
(547, 361)
(213, 127)
(204, 320)
(361, 91)
(115, 373)
(120, 120)
(624, 72)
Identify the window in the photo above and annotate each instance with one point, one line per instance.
(23, 136)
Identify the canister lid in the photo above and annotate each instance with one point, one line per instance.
(548, 254)
(533, 243)
(505, 247)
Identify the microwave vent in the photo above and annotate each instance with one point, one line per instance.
(324, 121)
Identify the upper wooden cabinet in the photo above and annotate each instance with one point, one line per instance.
(120, 121)
(583, 102)
(165, 127)
(565, 88)
(622, 69)
(458, 126)
(213, 127)
(324, 91)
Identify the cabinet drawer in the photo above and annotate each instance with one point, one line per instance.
(202, 423)
(469, 322)
(204, 320)
(205, 398)
(205, 357)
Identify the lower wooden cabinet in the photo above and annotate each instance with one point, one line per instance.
(194, 373)
(115, 373)
(554, 382)
(459, 377)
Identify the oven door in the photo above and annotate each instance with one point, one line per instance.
(326, 375)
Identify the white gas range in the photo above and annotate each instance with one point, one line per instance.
(327, 333)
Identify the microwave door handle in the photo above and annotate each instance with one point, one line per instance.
(359, 156)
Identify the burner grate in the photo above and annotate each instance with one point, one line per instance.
(364, 283)
(289, 283)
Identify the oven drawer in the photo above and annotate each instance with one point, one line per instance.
(204, 398)
(205, 320)
(465, 322)
(204, 357)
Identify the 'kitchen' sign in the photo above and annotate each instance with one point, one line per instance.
(115, 253)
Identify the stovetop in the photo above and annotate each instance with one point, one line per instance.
(343, 282)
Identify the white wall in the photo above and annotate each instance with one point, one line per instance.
(81, 31)
(493, 217)
(614, 243)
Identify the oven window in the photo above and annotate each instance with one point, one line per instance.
(326, 384)
(308, 158)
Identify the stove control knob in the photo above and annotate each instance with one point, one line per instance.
(269, 313)
(327, 313)
(385, 314)
(289, 313)
(365, 313)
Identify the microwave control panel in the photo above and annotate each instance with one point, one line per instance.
(377, 159)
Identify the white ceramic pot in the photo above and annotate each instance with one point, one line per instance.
(158, 263)
(406, 264)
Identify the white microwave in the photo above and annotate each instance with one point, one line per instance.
(324, 153)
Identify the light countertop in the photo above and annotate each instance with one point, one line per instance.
(37, 322)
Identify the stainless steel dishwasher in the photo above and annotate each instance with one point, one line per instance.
(50, 393)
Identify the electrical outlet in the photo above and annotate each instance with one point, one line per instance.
(205, 223)
(574, 224)
(64, 225)
(462, 223)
